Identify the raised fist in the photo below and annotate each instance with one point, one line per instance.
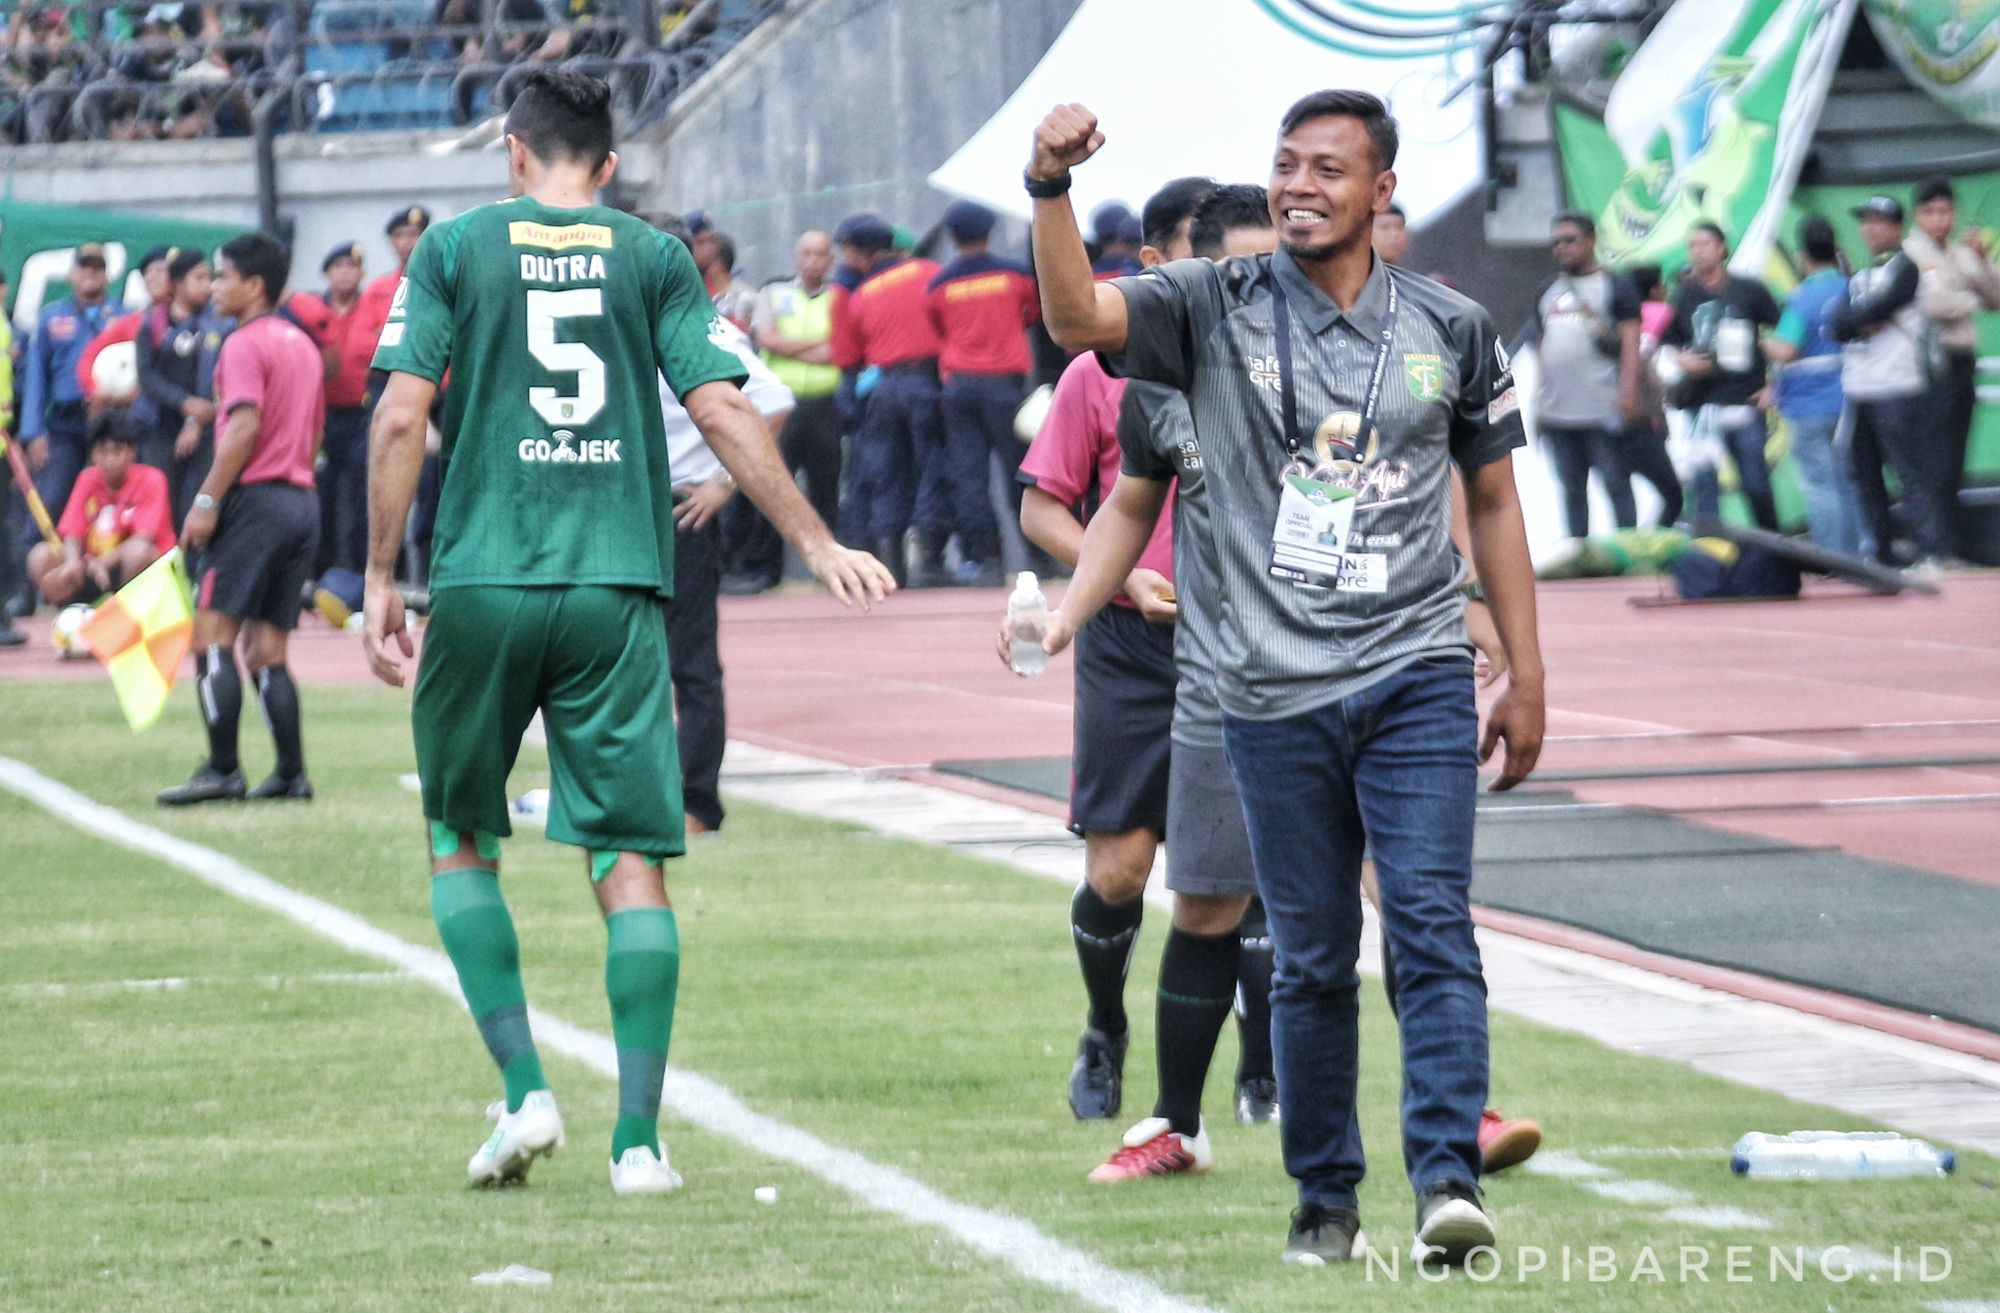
(1063, 140)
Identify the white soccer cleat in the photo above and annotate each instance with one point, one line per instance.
(518, 1138)
(640, 1171)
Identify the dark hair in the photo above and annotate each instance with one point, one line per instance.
(1374, 116)
(1223, 211)
(725, 250)
(1705, 226)
(672, 225)
(255, 255)
(184, 261)
(1817, 240)
(1396, 210)
(1576, 219)
(1936, 189)
(565, 114)
(1645, 279)
(111, 425)
(1171, 206)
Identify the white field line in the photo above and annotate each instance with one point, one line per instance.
(1012, 1241)
(1965, 1306)
(57, 990)
(1718, 1219)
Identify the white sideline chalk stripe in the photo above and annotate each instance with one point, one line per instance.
(1964, 1306)
(1642, 1193)
(1565, 1164)
(57, 989)
(1720, 1219)
(1014, 1242)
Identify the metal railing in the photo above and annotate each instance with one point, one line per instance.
(361, 65)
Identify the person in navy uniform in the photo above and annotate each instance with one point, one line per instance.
(982, 306)
(54, 411)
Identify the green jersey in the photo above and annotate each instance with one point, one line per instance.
(554, 325)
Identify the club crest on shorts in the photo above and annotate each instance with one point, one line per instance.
(1425, 375)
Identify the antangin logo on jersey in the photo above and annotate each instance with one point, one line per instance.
(594, 235)
(562, 448)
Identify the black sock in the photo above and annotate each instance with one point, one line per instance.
(220, 690)
(1197, 985)
(1253, 996)
(281, 712)
(1104, 937)
(1388, 970)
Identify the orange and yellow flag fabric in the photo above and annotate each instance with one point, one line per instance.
(142, 634)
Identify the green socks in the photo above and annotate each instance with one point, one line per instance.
(642, 972)
(478, 934)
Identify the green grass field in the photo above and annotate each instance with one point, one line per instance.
(288, 1128)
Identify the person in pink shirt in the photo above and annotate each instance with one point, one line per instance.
(1125, 681)
(255, 523)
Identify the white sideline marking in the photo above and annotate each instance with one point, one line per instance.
(182, 982)
(1719, 1219)
(1965, 1306)
(1565, 1164)
(1646, 1193)
(1012, 1241)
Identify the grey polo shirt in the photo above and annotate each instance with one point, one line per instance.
(1156, 441)
(1206, 329)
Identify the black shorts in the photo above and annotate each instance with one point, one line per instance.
(1124, 719)
(256, 565)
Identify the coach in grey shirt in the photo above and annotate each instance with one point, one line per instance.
(1329, 394)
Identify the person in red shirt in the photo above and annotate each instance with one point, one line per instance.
(255, 522)
(343, 473)
(118, 520)
(884, 327)
(125, 328)
(405, 227)
(981, 306)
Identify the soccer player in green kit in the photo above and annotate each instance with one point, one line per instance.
(553, 560)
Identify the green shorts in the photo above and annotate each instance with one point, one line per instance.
(593, 661)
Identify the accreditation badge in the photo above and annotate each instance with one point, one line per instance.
(1309, 541)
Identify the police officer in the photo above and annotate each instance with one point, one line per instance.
(883, 327)
(982, 306)
(54, 411)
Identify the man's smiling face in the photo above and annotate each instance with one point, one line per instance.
(1326, 187)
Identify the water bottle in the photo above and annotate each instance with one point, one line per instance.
(1837, 1156)
(1028, 622)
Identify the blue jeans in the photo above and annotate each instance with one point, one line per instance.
(1833, 512)
(1753, 475)
(1394, 763)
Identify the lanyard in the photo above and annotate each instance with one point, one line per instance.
(1281, 312)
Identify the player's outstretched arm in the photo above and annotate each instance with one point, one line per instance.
(737, 435)
(1081, 313)
(395, 463)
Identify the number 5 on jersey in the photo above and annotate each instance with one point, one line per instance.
(545, 311)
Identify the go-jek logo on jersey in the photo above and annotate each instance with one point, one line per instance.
(566, 450)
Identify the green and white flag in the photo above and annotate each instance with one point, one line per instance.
(1710, 122)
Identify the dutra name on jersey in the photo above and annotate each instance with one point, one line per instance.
(561, 268)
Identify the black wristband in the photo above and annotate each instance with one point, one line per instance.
(1045, 189)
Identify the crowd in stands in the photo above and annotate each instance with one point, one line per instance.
(99, 70)
(1867, 363)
